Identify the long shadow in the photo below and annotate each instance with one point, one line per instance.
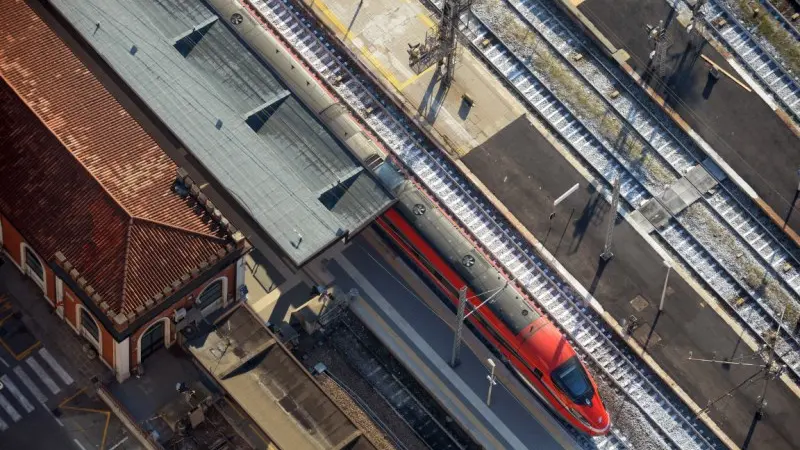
(751, 431)
(566, 225)
(587, 215)
(426, 98)
(438, 101)
(710, 82)
(791, 208)
(355, 15)
(652, 330)
(601, 267)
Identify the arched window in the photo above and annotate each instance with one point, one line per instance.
(33, 264)
(212, 296)
(89, 326)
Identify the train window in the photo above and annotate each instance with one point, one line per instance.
(571, 379)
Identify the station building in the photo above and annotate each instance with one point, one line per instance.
(90, 209)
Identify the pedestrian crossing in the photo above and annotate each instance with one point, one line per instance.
(24, 387)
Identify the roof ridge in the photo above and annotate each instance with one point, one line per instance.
(125, 265)
(178, 228)
(64, 144)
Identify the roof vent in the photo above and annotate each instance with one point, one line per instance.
(468, 261)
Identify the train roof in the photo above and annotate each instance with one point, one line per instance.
(508, 304)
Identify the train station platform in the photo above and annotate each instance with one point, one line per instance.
(516, 163)
(740, 127)
(417, 328)
(526, 179)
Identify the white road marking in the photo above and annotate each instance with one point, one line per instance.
(26, 380)
(78, 443)
(56, 366)
(9, 409)
(119, 443)
(4, 361)
(3, 425)
(43, 375)
(11, 387)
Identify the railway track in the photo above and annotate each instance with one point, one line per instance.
(670, 418)
(367, 410)
(394, 393)
(636, 187)
(768, 72)
(780, 16)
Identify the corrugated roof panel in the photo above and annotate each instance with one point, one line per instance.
(277, 173)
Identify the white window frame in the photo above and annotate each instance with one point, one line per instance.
(166, 337)
(42, 283)
(203, 310)
(85, 333)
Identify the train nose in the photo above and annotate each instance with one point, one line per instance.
(603, 422)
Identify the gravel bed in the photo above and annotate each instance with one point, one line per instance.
(369, 341)
(627, 416)
(353, 411)
(585, 104)
(769, 47)
(324, 351)
(740, 260)
(765, 221)
(636, 107)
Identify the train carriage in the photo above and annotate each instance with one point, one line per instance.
(534, 346)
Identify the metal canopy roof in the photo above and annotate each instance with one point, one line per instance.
(292, 176)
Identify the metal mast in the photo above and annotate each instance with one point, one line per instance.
(661, 41)
(440, 43)
(612, 220)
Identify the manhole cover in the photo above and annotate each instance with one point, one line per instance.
(639, 303)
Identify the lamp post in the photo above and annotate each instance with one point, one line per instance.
(492, 381)
(664, 290)
(562, 198)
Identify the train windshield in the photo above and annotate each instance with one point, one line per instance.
(571, 379)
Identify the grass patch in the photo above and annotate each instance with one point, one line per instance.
(769, 28)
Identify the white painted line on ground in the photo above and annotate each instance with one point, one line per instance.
(12, 388)
(3, 425)
(119, 443)
(43, 375)
(9, 409)
(78, 443)
(56, 366)
(4, 361)
(26, 380)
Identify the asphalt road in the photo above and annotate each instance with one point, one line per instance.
(25, 421)
(526, 173)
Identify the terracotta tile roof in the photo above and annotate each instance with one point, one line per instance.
(79, 175)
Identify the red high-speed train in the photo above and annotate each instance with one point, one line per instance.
(535, 347)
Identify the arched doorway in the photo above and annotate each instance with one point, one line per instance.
(152, 340)
(33, 265)
(212, 297)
